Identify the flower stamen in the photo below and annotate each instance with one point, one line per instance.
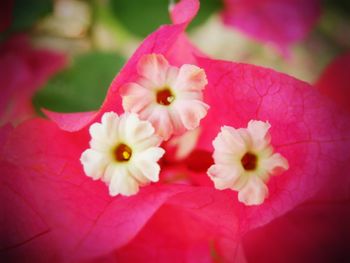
(122, 153)
(249, 161)
(165, 97)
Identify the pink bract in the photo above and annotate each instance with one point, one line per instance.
(67, 215)
(315, 232)
(334, 81)
(193, 226)
(311, 132)
(52, 209)
(280, 22)
(24, 70)
(54, 212)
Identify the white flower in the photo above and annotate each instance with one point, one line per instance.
(169, 97)
(244, 161)
(123, 153)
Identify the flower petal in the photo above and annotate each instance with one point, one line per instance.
(277, 164)
(259, 131)
(94, 163)
(135, 97)
(107, 129)
(231, 141)
(159, 117)
(253, 192)
(140, 132)
(122, 183)
(191, 78)
(191, 113)
(147, 163)
(232, 178)
(153, 67)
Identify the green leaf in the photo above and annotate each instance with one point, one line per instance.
(26, 13)
(207, 8)
(144, 17)
(83, 86)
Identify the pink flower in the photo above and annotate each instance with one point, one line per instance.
(54, 212)
(280, 22)
(24, 69)
(169, 97)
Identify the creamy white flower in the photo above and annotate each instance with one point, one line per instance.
(169, 97)
(123, 153)
(244, 161)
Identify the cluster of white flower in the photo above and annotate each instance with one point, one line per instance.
(165, 101)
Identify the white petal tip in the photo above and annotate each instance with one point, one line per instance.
(254, 192)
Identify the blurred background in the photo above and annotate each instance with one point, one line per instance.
(63, 54)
